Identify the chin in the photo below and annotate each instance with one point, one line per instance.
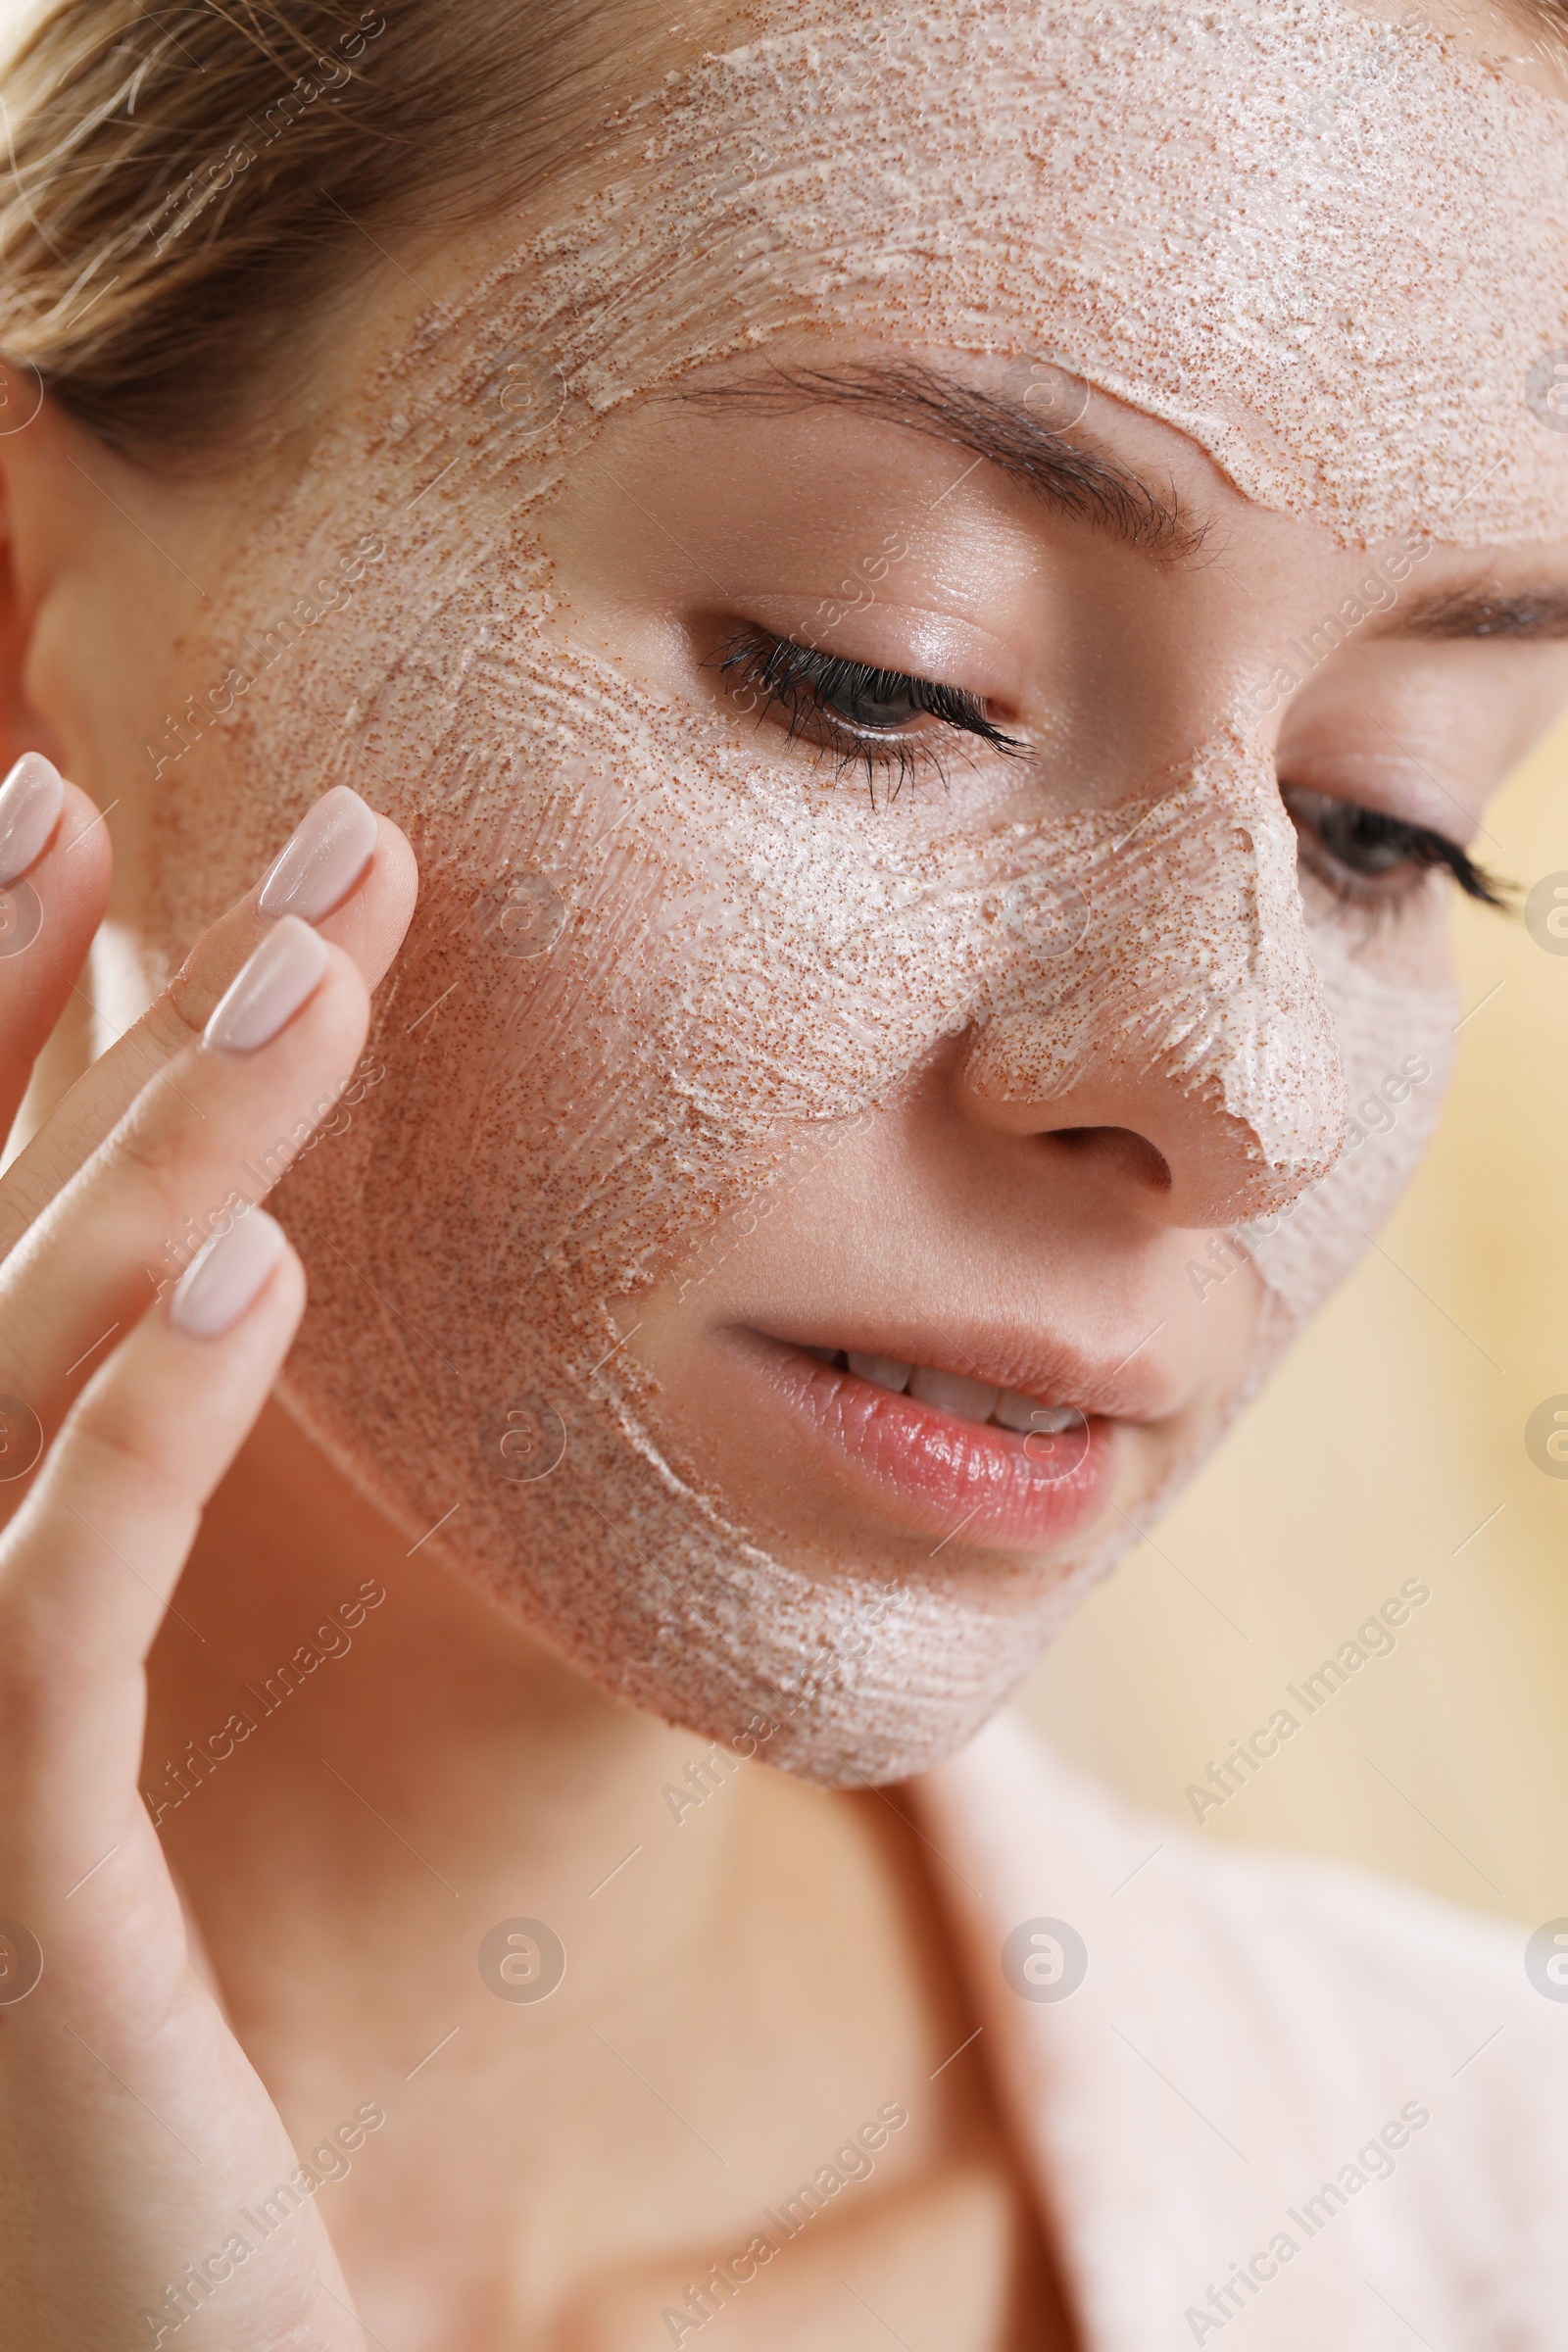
(836, 1673)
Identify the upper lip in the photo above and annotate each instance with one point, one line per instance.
(1048, 1366)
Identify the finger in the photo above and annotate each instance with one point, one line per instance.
(54, 885)
(352, 876)
(205, 1139)
(88, 1563)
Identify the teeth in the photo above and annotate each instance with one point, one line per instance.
(1024, 1414)
(1051, 1419)
(950, 1392)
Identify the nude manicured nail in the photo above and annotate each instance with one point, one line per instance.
(268, 989)
(29, 811)
(225, 1275)
(323, 858)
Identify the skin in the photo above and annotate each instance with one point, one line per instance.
(773, 1968)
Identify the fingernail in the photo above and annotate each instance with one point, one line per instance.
(267, 990)
(30, 800)
(225, 1275)
(323, 858)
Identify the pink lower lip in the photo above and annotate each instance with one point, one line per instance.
(961, 1480)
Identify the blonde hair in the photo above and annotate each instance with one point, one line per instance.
(182, 190)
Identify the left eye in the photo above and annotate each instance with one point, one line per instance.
(868, 716)
(1365, 853)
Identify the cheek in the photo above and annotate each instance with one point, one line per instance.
(649, 975)
(649, 967)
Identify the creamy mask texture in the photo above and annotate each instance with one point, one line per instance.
(657, 970)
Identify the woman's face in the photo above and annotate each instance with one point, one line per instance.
(932, 656)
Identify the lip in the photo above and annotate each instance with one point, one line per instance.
(964, 1482)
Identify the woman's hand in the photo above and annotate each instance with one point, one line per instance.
(136, 2142)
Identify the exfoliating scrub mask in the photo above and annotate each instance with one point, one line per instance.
(651, 978)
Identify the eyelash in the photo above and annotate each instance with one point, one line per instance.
(802, 684)
(1409, 853)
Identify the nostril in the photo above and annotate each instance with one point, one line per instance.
(1120, 1151)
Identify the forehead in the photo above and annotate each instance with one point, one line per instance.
(1330, 247)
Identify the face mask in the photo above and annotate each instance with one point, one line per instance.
(654, 985)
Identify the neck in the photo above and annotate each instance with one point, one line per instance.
(404, 1788)
(369, 1723)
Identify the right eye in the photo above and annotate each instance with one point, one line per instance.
(1372, 859)
(877, 719)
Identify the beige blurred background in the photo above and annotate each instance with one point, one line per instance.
(1392, 1433)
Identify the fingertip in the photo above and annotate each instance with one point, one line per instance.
(396, 852)
(49, 910)
(228, 1275)
(70, 872)
(83, 831)
(43, 817)
(31, 795)
(370, 924)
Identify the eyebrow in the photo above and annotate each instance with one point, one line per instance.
(1084, 479)
(1080, 478)
(1539, 612)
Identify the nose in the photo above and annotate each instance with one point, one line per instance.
(1188, 1019)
